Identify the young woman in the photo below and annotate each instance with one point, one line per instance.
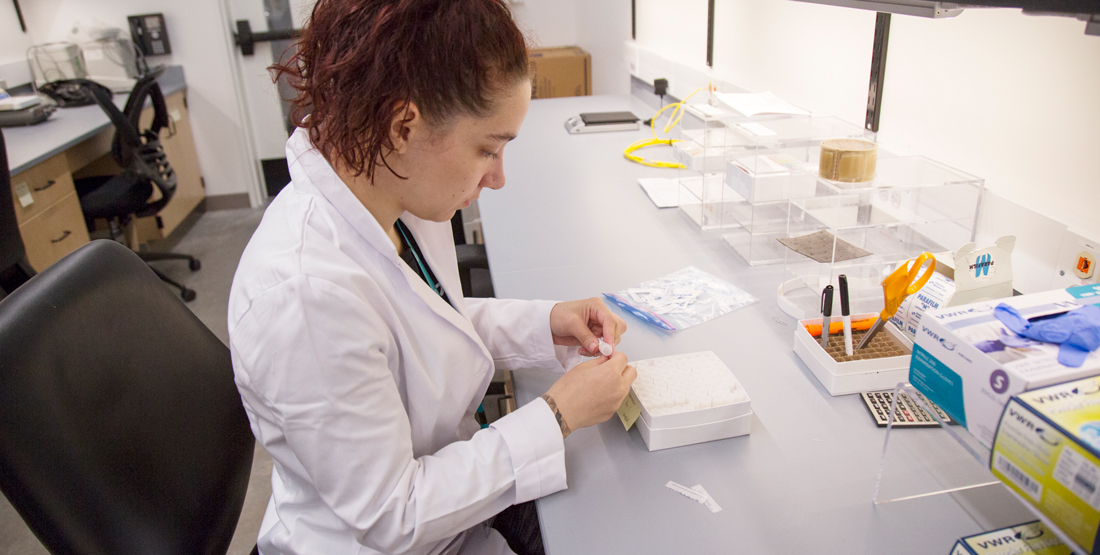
(358, 359)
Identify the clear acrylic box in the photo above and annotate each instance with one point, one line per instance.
(707, 146)
(779, 165)
(913, 205)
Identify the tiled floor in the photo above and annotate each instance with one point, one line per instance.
(217, 239)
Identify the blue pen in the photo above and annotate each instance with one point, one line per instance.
(643, 315)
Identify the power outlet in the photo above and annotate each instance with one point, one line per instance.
(1077, 261)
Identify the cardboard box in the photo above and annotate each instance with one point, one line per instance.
(1047, 450)
(1031, 538)
(960, 364)
(560, 71)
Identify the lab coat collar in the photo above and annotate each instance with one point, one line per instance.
(312, 174)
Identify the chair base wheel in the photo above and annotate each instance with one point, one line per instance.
(188, 295)
(194, 264)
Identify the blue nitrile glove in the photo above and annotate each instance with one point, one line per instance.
(1077, 331)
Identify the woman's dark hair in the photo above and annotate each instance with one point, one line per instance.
(360, 62)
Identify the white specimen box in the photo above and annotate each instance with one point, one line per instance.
(913, 205)
(844, 378)
(683, 421)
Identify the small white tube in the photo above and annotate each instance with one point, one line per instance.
(606, 349)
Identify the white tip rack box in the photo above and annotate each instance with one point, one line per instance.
(690, 398)
(881, 365)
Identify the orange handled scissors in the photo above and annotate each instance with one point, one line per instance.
(905, 281)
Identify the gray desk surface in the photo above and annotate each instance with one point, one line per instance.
(571, 223)
(67, 127)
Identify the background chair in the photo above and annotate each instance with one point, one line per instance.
(121, 429)
(473, 263)
(14, 268)
(119, 198)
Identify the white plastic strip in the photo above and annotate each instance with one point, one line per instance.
(696, 494)
(686, 492)
(710, 502)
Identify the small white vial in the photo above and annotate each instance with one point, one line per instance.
(606, 349)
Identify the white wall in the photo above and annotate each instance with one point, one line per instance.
(1012, 98)
(547, 22)
(13, 41)
(1008, 97)
(603, 26)
(199, 44)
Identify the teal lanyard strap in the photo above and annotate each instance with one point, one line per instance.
(419, 262)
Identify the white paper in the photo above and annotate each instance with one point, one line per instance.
(751, 104)
(24, 194)
(662, 191)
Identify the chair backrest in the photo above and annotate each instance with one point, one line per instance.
(121, 428)
(139, 152)
(13, 256)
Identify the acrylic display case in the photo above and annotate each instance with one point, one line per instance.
(780, 166)
(762, 162)
(913, 205)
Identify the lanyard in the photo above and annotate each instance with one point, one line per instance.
(438, 288)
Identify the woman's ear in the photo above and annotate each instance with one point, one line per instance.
(407, 121)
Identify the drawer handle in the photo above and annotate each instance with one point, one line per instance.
(62, 238)
(48, 184)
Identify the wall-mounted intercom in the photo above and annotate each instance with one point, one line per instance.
(149, 34)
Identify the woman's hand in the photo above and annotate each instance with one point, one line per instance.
(591, 392)
(583, 322)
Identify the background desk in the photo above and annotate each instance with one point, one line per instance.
(571, 223)
(77, 142)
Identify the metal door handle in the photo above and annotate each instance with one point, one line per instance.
(48, 184)
(246, 39)
(62, 238)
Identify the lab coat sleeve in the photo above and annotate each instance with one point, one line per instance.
(517, 333)
(319, 358)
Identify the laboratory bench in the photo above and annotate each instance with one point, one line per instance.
(75, 143)
(572, 222)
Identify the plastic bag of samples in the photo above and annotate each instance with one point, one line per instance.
(682, 299)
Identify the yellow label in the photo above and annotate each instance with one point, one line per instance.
(1056, 472)
(630, 410)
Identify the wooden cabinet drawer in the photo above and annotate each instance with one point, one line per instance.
(57, 231)
(46, 183)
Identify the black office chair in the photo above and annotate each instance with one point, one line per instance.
(473, 263)
(14, 268)
(118, 198)
(121, 429)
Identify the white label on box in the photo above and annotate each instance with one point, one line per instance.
(1022, 479)
(1080, 476)
(24, 194)
(755, 129)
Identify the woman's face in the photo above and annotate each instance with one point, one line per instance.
(447, 168)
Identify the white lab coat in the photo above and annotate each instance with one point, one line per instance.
(362, 383)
